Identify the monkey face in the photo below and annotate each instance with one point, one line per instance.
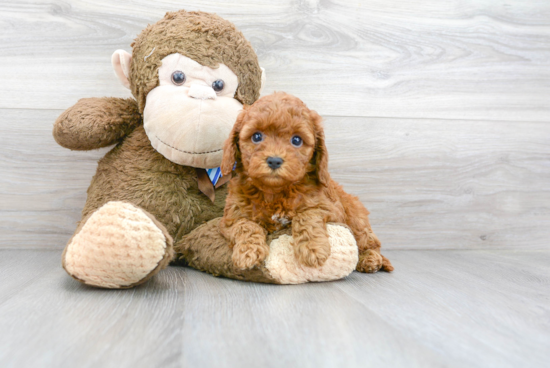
(190, 73)
(188, 116)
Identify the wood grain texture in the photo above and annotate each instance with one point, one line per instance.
(436, 117)
(429, 184)
(455, 59)
(42, 186)
(438, 309)
(432, 184)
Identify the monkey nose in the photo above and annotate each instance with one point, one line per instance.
(274, 162)
(201, 92)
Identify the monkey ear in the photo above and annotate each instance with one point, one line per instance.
(263, 80)
(320, 156)
(121, 64)
(231, 151)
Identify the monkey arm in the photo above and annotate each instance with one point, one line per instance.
(96, 122)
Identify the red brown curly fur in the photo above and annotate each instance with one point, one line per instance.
(300, 192)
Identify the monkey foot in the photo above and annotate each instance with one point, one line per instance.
(286, 269)
(118, 246)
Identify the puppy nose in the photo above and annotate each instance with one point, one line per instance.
(274, 162)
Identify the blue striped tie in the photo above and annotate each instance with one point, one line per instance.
(214, 174)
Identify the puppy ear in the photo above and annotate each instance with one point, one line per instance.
(231, 151)
(320, 156)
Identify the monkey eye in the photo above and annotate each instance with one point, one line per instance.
(178, 78)
(296, 141)
(257, 137)
(218, 85)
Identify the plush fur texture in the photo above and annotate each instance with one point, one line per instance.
(106, 121)
(301, 192)
(188, 124)
(284, 267)
(134, 182)
(118, 246)
(207, 250)
(204, 37)
(134, 172)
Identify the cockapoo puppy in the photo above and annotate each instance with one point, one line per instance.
(282, 180)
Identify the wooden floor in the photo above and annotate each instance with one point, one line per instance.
(438, 309)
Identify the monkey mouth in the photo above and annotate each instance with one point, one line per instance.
(187, 152)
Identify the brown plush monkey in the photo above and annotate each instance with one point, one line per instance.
(151, 201)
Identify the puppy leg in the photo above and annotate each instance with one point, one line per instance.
(311, 245)
(370, 259)
(386, 265)
(249, 243)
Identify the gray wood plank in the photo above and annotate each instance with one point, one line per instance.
(432, 184)
(58, 322)
(482, 308)
(42, 186)
(35, 264)
(439, 308)
(429, 184)
(456, 59)
(236, 324)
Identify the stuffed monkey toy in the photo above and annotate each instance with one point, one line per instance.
(157, 196)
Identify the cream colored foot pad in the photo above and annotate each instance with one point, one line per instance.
(118, 246)
(284, 267)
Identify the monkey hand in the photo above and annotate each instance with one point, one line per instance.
(96, 122)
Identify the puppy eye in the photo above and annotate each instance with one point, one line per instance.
(178, 78)
(218, 85)
(257, 137)
(296, 141)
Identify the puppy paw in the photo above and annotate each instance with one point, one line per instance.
(247, 255)
(370, 262)
(314, 253)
